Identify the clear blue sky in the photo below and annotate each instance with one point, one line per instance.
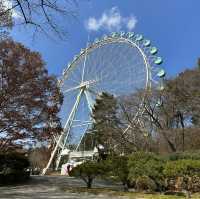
(172, 25)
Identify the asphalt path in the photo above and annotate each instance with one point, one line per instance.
(53, 187)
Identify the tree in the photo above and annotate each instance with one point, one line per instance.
(180, 108)
(88, 171)
(39, 157)
(13, 167)
(148, 165)
(168, 119)
(29, 99)
(111, 118)
(41, 15)
(87, 142)
(198, 64)
(170, 113)
(5, 20)
(106, 126)
(119, 169)
(137, 134)
(162, 111)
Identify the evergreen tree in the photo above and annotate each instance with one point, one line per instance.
(106, 126)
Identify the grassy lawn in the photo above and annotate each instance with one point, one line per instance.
(130, 195)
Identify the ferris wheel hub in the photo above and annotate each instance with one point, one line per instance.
(86, 84)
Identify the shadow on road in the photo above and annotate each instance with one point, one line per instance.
(52, 187)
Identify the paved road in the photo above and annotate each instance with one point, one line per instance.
(51, 187)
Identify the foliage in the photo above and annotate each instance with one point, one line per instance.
(87, 142)
(144, 164)
(176, 136)
(39, 158)
(184, 171)
(188, 82)
(13, 167)
(191, 155)
(118, 168)
(29, 97)
(181, 108)
(171, 115)
(137, 137)
(5, 20)
(44, 16)
(169, 119)
(185, 167)
(145, 183)
(88, 171)
(13, 160)
(106, 126)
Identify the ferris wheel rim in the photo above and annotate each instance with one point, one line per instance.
(103, 42)
(133, 43)
(110, 39)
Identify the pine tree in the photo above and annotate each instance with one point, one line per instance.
(106, 124)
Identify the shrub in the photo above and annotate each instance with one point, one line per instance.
(149, 165)
(185, 172)
(118, 166)
(182, 168)
(88, 171)
(145, 183)
(13, 168)
(184, 156)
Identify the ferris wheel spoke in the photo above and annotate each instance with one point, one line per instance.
(89, 99)
(74, 77)
(105, 76)
(72, 89)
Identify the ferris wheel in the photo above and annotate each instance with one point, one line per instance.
(119, 64)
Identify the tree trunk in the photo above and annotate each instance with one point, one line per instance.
(89, 183)
(125, 186)
(188, 194)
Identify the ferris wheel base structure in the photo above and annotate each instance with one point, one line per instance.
(119, 64)
(77, 157)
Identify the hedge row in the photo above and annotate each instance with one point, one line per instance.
(146, 171)
(176, 172)
(13, 168)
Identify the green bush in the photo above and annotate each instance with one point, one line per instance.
(144, 164)
(145, 183)
(13, 168)
(183, 156)
(88, 171)
(185, 173)
(181, 168)
(118, 169)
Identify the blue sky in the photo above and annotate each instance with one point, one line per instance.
(172, 26)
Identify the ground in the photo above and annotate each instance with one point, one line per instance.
(62, 187)
(52, 187)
